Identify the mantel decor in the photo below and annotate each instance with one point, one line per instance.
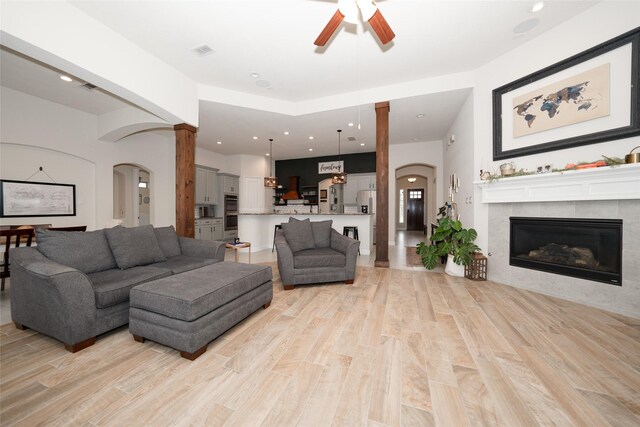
(588, 98)
(30, 199)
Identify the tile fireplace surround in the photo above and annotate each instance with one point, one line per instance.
(612, 193)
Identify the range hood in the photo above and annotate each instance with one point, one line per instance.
(293, 193)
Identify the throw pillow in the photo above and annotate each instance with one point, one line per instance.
(299, 235)
(168, 241)
(134, 246)
(88, 251)
(321, 232)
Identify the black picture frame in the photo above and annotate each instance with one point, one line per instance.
(22, 199)
(633, 38)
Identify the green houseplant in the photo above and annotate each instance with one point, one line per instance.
(450, 239)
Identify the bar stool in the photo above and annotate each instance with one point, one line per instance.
(351, 229)
(276, 228)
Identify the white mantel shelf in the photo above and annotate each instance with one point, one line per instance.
(604, 183)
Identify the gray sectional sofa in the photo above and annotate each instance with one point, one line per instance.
(313, 252)
(75, 285)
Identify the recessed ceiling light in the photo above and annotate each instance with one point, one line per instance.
(420, 115)
(362, 144)
(310, 149)
(537, 6)
(286, 133)
(254, 75)
(255, 137)
(350, 124)
(267, 154)
(310, 137)
(66, 78)
(219, 142)
(525, 26)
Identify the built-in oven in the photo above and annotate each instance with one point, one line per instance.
(230, 212)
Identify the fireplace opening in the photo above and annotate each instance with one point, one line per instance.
(586, 248)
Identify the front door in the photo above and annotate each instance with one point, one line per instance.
(415, 209)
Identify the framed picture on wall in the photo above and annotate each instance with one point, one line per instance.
(589, 98)
(28, 199)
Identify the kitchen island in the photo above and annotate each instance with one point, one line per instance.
(258, 228)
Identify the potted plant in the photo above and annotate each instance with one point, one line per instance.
(452, 240)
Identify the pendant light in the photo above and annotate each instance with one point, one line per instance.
(341, 177)
(270, 181)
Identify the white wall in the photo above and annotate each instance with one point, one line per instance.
(56, 136)
(458, 160)
(429, 153)
(604, 21)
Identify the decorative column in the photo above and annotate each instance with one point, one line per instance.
(382, 184)
(185, 179)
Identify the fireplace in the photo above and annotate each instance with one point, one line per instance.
(589, 249)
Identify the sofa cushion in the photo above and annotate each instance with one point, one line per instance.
(319, 257)
(112, 287)
(182, 263)
(85, 251)
(168, 241)
(134, 246)
(321, 232)
(299, 235)
(191, 295)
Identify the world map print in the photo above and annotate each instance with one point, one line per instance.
(576, 99)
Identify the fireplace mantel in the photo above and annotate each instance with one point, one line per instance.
(604, 183)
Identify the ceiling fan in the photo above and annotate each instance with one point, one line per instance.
(348, 11)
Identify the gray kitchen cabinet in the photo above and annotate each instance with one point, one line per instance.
(206, 186)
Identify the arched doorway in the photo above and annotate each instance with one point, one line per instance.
(415, 198)
(132, 195)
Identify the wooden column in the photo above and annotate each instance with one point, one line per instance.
(382, 184)
(185, 179)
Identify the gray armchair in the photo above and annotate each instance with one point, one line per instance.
(313, 252)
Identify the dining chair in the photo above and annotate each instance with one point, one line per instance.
(10, 236)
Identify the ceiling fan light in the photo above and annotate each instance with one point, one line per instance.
(367, 8)
(349, 9)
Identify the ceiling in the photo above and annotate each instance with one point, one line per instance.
(274, 38)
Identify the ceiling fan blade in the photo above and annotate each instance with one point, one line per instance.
(381, 27)
(329, 29)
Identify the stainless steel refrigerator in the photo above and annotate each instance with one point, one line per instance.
(368, 198)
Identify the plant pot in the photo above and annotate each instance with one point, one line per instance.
(453, 269)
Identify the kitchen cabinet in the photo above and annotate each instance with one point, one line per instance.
(209, 229)
(350, 191)
(366, 182)
(253, 192)
(230, 184)
(206, 186)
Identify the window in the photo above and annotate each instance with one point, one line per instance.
(401, 207)
(415, 194)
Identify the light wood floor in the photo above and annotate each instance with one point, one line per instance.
(396, 348)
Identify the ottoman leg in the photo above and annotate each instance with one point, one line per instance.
(138, 338)
(288, 287)
(195, 354)
(349, 282)
(266, 305)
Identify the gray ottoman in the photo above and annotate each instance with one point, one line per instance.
(188, 310)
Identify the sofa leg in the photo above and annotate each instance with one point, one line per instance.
(138, 338)
(195, 354)
(349, 282)
(288, 287)
(266, 305)
(20, 326)
(73, 348)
